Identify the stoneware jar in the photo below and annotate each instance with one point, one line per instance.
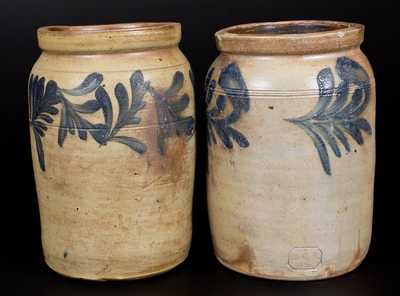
(113, 147)
(291, 123)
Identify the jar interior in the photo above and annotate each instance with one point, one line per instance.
(108, 28)
(288, 28)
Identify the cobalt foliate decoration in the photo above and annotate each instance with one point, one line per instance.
(102, 133)
(43, 100)
(235, 91)
(41, 106)
(333, 116)
(169, 105)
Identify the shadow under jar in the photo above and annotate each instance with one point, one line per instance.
(113, 147)
(291, 126)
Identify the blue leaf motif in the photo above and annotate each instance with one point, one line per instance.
(88, 85)
(235, 92)
(105, 104)
(331, 121)
(91, 106)
(132, 143)
(42, 97)
(169, 106)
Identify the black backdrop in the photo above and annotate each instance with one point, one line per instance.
(22, 266)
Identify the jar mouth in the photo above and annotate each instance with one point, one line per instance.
(106, 38)
(290, 37)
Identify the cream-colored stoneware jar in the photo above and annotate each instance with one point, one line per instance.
(291, 120)
(113, 146)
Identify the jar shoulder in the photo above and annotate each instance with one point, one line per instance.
(290, 72)
(158, 68)
(150, 60)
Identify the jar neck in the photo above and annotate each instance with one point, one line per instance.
(108, 38)
(290, 38)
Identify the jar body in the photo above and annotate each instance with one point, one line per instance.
(114, 166)
(290, 188)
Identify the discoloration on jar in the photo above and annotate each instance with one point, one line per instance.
(243, 261)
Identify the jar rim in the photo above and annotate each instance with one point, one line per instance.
(290, 37)
(110, 37)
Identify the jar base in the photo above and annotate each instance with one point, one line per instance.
(326, 275)
(116, 277)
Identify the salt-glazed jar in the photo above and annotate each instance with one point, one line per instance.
(113, 147)
(291, 124)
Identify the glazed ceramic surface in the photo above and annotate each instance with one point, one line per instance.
(291, 124)
(113, 145)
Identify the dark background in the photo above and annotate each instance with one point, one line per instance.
(23, 270)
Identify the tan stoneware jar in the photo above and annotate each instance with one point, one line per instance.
(113, 147)
(291, 123)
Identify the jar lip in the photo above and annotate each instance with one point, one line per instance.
(290, 37)
(110, 37)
